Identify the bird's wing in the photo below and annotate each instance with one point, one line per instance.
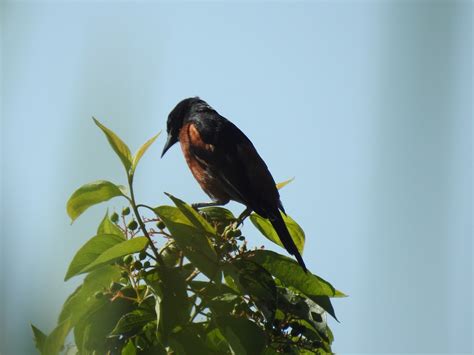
(238, 166)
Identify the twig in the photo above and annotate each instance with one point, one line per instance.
(141, 224)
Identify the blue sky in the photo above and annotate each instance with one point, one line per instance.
(367, 104)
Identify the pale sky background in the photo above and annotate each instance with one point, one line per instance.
(368, 104)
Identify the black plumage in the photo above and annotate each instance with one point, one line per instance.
(226, 164)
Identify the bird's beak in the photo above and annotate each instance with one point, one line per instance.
(171, 140)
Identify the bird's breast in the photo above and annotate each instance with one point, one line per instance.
(191, 142)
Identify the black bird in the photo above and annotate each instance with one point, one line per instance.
(226, 164)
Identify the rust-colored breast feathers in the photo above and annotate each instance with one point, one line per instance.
(191, 141)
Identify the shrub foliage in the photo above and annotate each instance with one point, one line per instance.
(174, 280)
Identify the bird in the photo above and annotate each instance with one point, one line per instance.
(226, 164)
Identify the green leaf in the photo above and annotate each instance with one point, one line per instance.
(117, 145)
(216, 341)
(305, 312)
(172, 303)
(243, 336)
(255, 281)
(91, 194)
(117, 251)
(325, 303)
(208, 290)
(186, 342)
(129, 349)
(219, 217)
(191, 240)
(90, 251)
(192, 215)
(55, 341)
(109, 227)
(40, 338)
(282, 184)
(83, 301)
(218, 214)
(158, 299)
(266, 228)
(138, 155)
(92, 332)
(133, 322)
(291, 274)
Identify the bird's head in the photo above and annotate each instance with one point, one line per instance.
(177, 118)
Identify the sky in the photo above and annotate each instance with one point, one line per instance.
(367, 104)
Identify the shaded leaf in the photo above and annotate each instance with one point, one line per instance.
(117, 145)
(218, 214)
(223, 304)
(138, 155)
(83, 300)
(191, 240)
(208, 290)
(266, 228)
(216, 341)
(255, 281)
(219, 217)
(92, 332)
(186, 342)
(325, 303)
(90, 251)
(91, 194)
(39, 337)
(291, 274)
(133, 322)
(305, 312)
(129, 349)
(55, 341)
(172, 303)
(243, 335)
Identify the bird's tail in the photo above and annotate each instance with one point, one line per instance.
(280, 227)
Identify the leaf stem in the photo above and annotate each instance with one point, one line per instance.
(146, 206)
(140, 222)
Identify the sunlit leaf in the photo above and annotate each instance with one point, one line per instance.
(266, 228)
(90, 251)
(192, 215)
(117, 145)
(109, 227)
(91, 194)
(138, 155)
(117, 251)
(282, 184)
